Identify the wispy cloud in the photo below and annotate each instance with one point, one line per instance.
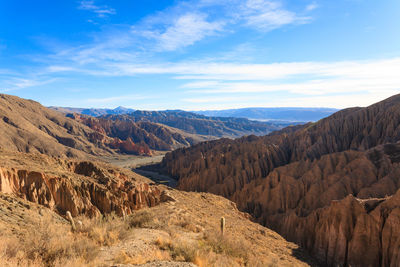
(312, 6)
(307, 78)
(101, 11)
(334, 101)
(17, 83)
(184, 31)
(269, 15)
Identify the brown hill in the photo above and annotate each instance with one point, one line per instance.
(297, 198)
(27, 126)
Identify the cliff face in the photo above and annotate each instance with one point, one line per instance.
(330, 186)
(336, 207)
(80, 187)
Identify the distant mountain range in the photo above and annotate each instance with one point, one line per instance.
(95, 112)
(283, 114)
(201, 125)
(273, 114)
(138, 132)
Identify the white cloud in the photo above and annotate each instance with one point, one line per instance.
(312, 6)
(307, 78)
(189, 22)
(184, 31)
(101, 11)
(240, 101)
(202, 84)
(269, 15)
(17, 83)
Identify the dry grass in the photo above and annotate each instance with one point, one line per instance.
(210, 249)
(173, 231)
(140, 219)
(105, 231)
(47, 245)
(227, 245)
(51, 243)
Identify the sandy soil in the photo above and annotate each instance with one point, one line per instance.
(132, 161)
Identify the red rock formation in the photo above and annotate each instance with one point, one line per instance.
(334, 207)
(322, 185)
(85, 189)
(129, 147)
(145, 134)
(103, 129)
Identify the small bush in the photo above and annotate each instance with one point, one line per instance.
(140, 219)
(106, 231)
(178, 250)
(49, 244)
(226, 245)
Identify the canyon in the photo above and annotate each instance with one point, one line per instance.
(330, 186)
(86, 212)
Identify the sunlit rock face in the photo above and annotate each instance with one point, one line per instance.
(330, 186)
(81, 187)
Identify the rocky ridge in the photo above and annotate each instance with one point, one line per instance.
(81, 187)
(330, 186)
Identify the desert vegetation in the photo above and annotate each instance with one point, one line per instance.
(55, 243)
(162, 233)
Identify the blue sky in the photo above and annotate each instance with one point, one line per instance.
(200, 54)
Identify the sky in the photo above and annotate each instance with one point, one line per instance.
(200, 54)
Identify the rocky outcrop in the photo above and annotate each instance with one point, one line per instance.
(330, 186)
(129, 147)
(335, 207)
(81, 188)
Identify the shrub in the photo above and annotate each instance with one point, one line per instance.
(140, 219)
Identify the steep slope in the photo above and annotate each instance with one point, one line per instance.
(27, 126)
(336, 207)
(248, 158)
(297, 199)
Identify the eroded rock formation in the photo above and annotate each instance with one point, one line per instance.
(144, 135)
(331, 186)
(80, 187)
